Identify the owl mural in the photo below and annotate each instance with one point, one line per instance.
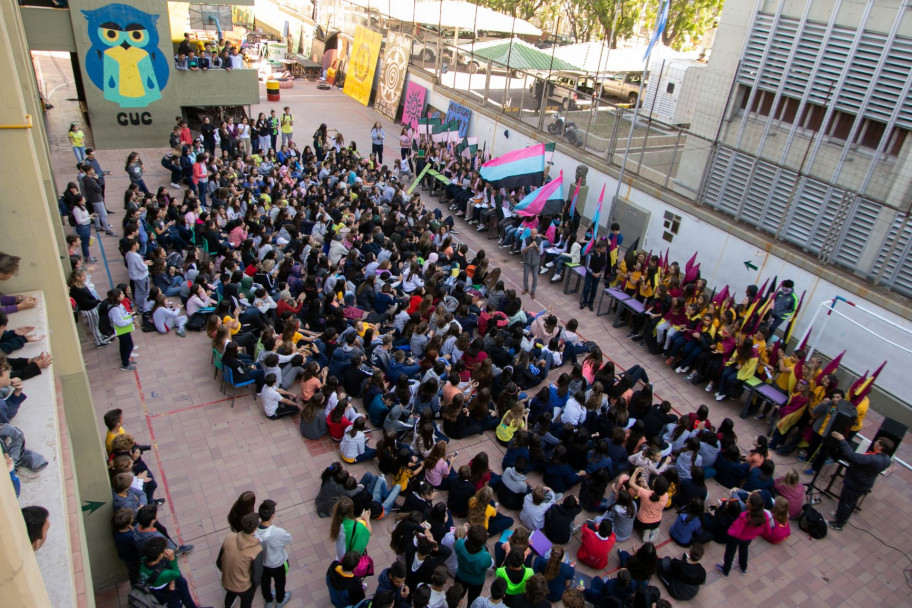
(125, 61)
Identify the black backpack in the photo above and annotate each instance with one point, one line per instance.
(104, 321)
(812, 522)
(148, 325)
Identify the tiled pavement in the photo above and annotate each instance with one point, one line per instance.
(207, 453)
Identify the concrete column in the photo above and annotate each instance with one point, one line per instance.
(21, 583)
(31, 229)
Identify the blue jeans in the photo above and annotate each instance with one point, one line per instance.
(590, 288)
(176, 598)
(376, 485)
(80, 153)
(367, 455)
(85, 234)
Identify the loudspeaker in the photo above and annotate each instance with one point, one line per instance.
(842, 417)
(892, 430)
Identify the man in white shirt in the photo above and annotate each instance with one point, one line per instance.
(277, 402)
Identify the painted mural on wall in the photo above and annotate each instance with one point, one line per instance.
(395, 65)
(362, 65)
(125, 62)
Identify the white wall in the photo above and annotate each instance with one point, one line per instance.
(722, 256)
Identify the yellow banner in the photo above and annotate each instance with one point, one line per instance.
(363, 63)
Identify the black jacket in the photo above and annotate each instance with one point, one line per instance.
(682, 578)
(559, 523)
(863, 468)
(92, 190)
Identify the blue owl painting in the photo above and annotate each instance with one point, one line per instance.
(125, 61)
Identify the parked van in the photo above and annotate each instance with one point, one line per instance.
(566, 89)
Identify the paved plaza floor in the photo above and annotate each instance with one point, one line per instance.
(206, 453)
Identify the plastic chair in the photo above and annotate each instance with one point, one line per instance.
(228, 378)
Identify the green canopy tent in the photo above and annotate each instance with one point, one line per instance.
(518, 55)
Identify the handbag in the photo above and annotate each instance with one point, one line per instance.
(126, 329)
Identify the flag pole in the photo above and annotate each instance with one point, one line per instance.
(636, 115)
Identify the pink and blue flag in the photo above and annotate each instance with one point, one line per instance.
(524, 167)
(595, 224)
(535, 201)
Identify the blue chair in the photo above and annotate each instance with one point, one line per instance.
(228, 377)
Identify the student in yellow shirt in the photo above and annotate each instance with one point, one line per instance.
(77, 140)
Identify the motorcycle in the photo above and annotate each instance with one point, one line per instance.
(561, 126)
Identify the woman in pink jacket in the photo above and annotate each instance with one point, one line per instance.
(750, 524)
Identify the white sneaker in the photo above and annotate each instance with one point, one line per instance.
(681, 369)
(543, 270)
(709, 386)
(556, 278)
(720, 397)
(173, 185)
(549, 264)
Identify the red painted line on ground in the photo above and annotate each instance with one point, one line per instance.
(189, 407)
(163, 479)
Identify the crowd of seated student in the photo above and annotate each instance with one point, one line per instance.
(334, 285)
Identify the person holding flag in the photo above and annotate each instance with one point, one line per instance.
(784, 305)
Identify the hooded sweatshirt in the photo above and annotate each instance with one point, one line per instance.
(274, 540)
(238, 554)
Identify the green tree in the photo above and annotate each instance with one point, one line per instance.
(618, 18)
(688, 21)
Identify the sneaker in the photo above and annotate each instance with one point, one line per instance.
(556, 278)
(832, 523)
(720, 397)
(689, 377)
(558, 496)
(681, 369)
(285, 601)
(721, 571)
(91, 260)
(543, 270)
(181, 333)
(802, 458)
(127, 368)
(102, 344)
(549, 264)
(183, 549)
(809, 472)
(270, 604)
(636, 337)
(480, 227)
(109, 212)
(173, 185)
(158, 501)
(669, 360)
(743, 571)
(589, 306)
(454, 231)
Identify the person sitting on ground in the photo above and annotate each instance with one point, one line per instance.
(597, 542)
(683, 576)
(277, 402)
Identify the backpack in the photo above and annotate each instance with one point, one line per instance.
(812, 522)
(104, 321)
(65, 211)
(197, 322)
(147, 324)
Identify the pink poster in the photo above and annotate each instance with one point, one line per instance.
(413, 104)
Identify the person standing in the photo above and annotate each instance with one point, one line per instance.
(243, 135)
(859, 476)
(100, 173)
(274, 129)
(377, 136)
(77, 140)
(287, 125)
(95, 197)
(200, 179)
(207, 130)
(83, 218)
(275, 560)
(751, 523)
(122, 321)
(241, 562)
(531, 259)
(596, 264)
(262, 131)
(784, 305)
(138, 271)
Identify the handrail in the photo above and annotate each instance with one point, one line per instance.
(27, 125)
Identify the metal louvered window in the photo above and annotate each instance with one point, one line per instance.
(894, 264)
(765, 69)
(856, 232)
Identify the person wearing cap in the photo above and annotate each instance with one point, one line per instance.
(784, 305)
(77, 140)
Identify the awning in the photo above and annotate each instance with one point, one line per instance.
(518, 55)
(450, 14)
(594, 58)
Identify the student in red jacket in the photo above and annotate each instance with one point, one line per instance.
(597, 544)
(750, 524)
